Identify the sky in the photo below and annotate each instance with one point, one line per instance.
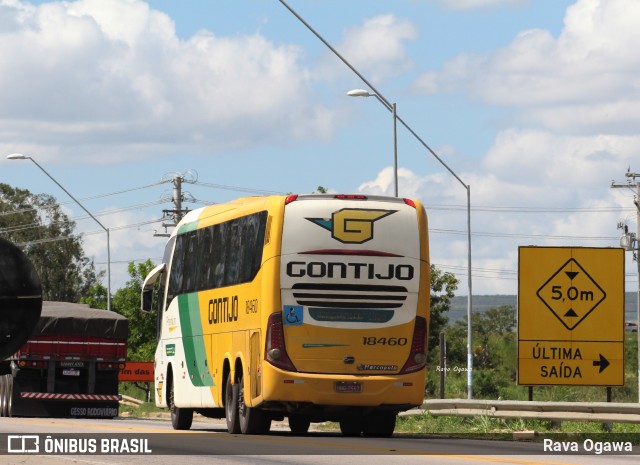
(532, 104)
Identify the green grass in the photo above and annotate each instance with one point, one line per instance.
(426, 423)
(144, 410)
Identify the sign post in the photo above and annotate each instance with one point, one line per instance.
(571, 316)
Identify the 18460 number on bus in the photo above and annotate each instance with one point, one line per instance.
(384, 341)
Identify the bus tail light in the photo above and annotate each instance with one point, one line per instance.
(290, 198)
(410, 202)
(418, 357)
(275, 352)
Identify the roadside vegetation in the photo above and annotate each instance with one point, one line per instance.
(495, 358)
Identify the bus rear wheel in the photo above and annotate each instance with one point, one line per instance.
(379, 424)
(181, 418)
(299, 424)
(252, 420)
(231, 406)
(352, 426)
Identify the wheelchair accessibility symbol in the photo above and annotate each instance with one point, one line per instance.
(293, 315)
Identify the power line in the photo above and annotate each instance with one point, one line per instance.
(528, 236)
(86, 233)
(99, 196)
(236, 188)
(26, 226)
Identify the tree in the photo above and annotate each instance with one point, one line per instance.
(37, 225)
(142, 326)
(494, 346)
(95, 297)
(443, 286)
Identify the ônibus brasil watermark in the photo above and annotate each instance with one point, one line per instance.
(41, 444)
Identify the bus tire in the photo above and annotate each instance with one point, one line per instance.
(299, 424)
(231, 406)
(252, 420)
(181, 418)
(379, 425)
(352, 426)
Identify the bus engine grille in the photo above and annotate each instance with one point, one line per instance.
(349, 295)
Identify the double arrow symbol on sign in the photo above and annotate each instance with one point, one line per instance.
(602, 363)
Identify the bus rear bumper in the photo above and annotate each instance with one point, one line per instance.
(389, 392)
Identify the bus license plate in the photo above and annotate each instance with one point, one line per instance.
(71, 372)
(348, 387)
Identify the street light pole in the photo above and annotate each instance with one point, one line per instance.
(392, 109)
(395, 151)
(466, 186)
(18, 156)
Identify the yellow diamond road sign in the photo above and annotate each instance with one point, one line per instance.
(571, 316)
(571, 294)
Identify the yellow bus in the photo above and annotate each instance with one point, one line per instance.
(310, 307)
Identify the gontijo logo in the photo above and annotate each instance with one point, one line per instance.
(352, 225)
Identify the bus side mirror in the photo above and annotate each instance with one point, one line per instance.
(147, 300)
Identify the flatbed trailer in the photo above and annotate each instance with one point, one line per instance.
(69, 365)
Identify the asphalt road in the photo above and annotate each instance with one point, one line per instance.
(138, 441)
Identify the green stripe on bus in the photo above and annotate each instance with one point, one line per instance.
(192, 340)
(188, 227)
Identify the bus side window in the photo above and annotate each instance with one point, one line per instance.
(160, 302)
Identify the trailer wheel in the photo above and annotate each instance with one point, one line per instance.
(181, 418)
(3, 396)
(8, 395)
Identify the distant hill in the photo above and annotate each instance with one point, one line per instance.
(481, 303)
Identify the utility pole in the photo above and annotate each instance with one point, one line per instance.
(629, 241)
(176, 214)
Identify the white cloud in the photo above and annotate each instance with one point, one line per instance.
(584, 80)
(537, 157)
(376, 49)
(478, 4)
(117, 72)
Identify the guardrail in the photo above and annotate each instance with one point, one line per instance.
(607, 412)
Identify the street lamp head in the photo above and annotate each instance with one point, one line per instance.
(17, 156)
(359, 93)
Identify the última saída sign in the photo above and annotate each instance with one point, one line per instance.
(571, 316)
